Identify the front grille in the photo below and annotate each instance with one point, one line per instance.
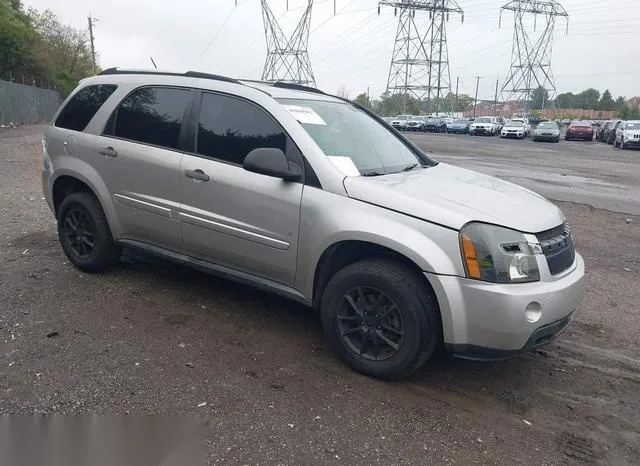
(557, 247)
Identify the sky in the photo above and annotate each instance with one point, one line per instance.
(353, 48)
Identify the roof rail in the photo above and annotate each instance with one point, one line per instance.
(188, 74)
(297, 87)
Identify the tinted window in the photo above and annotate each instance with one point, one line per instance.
(152, 115)
(230, 128)
(79, 111)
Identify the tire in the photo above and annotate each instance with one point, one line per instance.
(557, 139)
(416, 313)
(84, 233)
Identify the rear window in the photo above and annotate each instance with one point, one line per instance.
(84, 104)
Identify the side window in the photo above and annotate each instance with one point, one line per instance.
(230, 128)
(84, 104)
(152, 115)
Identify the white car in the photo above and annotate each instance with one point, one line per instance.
(400, 122)
(514, 129)
(628, 135)
(486, 125)
(525, 122)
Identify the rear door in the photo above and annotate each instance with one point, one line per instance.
(140, 162)
(233, 217)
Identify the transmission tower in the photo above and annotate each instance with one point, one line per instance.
(287, 59)
(420, 60)
(531, 61)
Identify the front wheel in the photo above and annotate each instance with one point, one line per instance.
(381, 318)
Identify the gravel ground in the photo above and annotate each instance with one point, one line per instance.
(155, 338)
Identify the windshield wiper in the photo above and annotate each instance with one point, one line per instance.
(409, 167)
(373, 173)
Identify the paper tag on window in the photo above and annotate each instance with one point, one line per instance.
(305, 115)
(345, 165)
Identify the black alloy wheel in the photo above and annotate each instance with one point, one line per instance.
(79, 233)
(370, 323)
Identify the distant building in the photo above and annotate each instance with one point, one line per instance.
(634, 102)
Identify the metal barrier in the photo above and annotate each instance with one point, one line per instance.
(20, 103)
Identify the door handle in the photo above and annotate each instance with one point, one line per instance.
(197, 175)
(108, 151)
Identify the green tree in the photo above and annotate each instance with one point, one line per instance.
(17, 36)
(63, 50)
(620, 102)
(588, 99)
(624, 112)
(565, 100)
(395, 104)
(539, 98)
(606, 101)
(363, 99)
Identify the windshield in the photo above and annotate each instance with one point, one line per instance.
(402, 117)
(483, 120)
(350, 137)
(634, 125)
(547, 125)
(515, 123)
(460, 122)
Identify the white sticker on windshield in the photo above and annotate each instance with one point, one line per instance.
(344, 164)
(305, 115)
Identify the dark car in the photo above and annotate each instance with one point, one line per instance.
(459, 126)
(611, 134)
(601, 131)
(435, 125)
(579, 130)
(415, 123)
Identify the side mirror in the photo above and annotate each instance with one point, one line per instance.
(271, 162)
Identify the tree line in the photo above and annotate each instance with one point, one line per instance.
(36, 48)
(589, 99)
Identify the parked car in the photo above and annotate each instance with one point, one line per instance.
(547, 131)
(579, 130)
(514, 129)
(611, 136)
(601, 131)
(303, 194)
(435, 125)
(415, 123)
(525, 123)
(460, 125)
(484, 126)
(400, 122)
(388, 119)
(501, 122)
(628, 135)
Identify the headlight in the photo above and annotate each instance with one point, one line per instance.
(498, 255)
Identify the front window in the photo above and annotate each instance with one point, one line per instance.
(402, 117)
(350, 137)
(635, 125)
(460, 122)
(483, 120)
(548, 126)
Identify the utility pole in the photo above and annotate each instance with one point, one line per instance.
(530, 51)
(495, 102)
(287, 58)
(475, 100)
(420, 62)
(93, 50)
(457, 83)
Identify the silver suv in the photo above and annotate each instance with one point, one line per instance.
(315, 198)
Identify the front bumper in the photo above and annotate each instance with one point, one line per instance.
(632, 142)
(546, 137)
(507, 134)
(493, 321)
(481, 131)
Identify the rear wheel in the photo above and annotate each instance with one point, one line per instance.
(381, 318)
(85, 235)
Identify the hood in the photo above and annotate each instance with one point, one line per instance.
(453, 196)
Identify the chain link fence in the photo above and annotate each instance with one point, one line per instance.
(21, 103)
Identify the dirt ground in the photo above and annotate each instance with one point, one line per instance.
(155, 338)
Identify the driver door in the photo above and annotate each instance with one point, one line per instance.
(232, 217)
